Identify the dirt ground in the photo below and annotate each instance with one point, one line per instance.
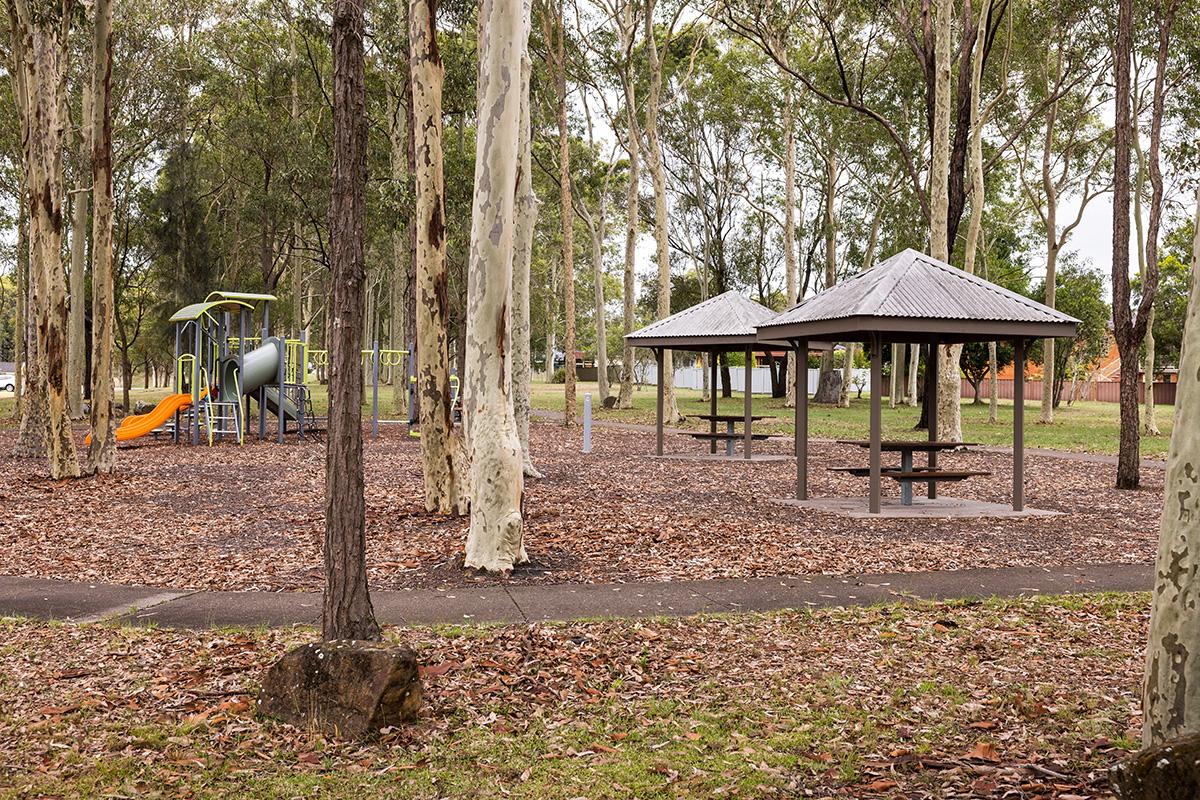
(250, 517)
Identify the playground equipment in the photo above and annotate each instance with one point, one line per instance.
(218, 375)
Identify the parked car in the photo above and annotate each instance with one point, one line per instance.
(8, 382)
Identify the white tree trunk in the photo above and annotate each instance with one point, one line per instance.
(789, 228)
(914, 363)
(526, 211)
(102, 450)
(1171, 702)
(494, 541)
(625, 397)
(993, 384)
(949, 415)
(568, 218)
(658, 177)
(79, 229)
(439, 439)
(598, 289)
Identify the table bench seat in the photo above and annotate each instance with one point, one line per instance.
(917, 475)
(730, 437)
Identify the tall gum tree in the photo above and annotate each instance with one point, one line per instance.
(39, 31)
(495, 538)
(346, 609)
(658, 177)
(526, 211)
(1171, 696)
(556, 30)
(440, 441)
(102, 449)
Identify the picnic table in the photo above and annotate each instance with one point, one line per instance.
(907, 474)
(729, 436)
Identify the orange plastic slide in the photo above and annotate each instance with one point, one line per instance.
(140, 424)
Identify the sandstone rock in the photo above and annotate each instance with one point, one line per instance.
(344, 688)
(1170, 771)
(142, 407)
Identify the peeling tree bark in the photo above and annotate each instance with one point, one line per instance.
(1171, 700)
(102, 450)
(40, 37)
(494, 541)
(526, 211)
(347, 611)
(439, 439)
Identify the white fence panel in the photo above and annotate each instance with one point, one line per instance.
(760, 379)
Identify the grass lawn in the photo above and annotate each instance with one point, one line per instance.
(1032, 697)
(1083, 427)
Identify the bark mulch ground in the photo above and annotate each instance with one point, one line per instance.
(1020, 699)
(251, 517)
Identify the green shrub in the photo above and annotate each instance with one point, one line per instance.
(559, 376)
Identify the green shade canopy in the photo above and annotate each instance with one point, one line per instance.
(252, 297)
(196, 310)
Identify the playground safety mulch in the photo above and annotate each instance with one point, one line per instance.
(251, 517)
(1029, 698)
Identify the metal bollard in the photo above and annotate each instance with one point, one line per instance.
(587, 422)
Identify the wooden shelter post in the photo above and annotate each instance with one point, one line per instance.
(1019, 424)
(800, 379)
(876, 422)
(713, 358)
(931, 379)
(658, 355)
(748, 401)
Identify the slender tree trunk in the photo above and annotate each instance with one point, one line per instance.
(993, 384)
(397, 305)
(868, 262)
(347, 611)
(568, 218)
(789, 227)
(658, 177)
(914, 365)
(494, 541)
(102, 451)
(598, 288)
(1171, 699)
(948, 407)
(439, 440)
(1146, 251)
(526, 221)
(79, 230)
(1051, 223)
(824, 393)
(897, 377)
(625, 398)
(20, 328)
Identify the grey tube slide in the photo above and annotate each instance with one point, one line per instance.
(261, 367)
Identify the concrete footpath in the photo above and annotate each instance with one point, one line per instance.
(83, 602)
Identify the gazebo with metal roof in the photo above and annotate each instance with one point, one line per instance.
(914, 298)
(722, 324)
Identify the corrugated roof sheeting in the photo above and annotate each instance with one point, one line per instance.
(726, 315)
(914, 285)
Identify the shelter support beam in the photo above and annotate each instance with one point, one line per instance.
(931, 380)
(1018, 425)
(713, 362)
(800, 378)
(658, 355)
(876, 423)
(748, 402)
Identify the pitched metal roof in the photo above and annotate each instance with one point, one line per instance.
(914, 297)
(727, 320)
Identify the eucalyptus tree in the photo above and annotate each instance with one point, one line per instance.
(39, 31)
